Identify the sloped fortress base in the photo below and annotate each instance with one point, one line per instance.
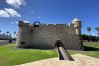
(80, 60)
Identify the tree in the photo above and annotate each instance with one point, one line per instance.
(86, 38)
(10, 36)
(14, 33)
(0, 31)
(97, 29)
(7, 32)
(3, 35)
(89, 30)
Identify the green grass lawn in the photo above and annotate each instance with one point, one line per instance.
(90, 50)
(10, 55)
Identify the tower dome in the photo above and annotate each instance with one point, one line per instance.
(75, 20)
(77, 25)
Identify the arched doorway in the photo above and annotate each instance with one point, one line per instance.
(59, 43)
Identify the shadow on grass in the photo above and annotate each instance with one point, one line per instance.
(86, 48)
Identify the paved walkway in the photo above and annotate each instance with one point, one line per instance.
(80, 60)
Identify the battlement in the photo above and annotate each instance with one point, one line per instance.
(75, 24)
(23, 24)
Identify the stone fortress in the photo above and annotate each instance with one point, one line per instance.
(44, 36)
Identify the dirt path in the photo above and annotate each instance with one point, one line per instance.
(80, 60)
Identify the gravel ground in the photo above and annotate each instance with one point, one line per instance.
(80, 60)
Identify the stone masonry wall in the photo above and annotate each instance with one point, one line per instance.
(45, 36)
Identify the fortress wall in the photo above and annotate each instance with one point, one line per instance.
(46, 36)
(24, 36)
(43, 37)
(18, 38)
(77, 42)
(66, 33)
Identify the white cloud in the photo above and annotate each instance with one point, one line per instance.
(12, 12)
(26, 21)
(16, 3)
(39, 17)
(12, 23)
(16, 22)
(94, 34)
(32, 12)
(4, 14)
(8, 12)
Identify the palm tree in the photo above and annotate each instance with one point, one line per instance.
(7, 32)
(3, 35)
(97, 29)
(14, 33)
(89, 29)
(0, 31)
(10, 36)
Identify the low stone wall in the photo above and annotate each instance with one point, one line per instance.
(3, 42)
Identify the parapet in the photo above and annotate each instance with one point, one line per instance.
(50, 25)
(22, 24)
(60, 24)
(76, 24)
(72, 24)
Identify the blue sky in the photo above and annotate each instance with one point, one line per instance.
(48, 11)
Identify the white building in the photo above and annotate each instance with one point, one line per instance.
(3, 36)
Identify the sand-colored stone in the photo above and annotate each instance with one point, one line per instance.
(45, 36)
(80, 60)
